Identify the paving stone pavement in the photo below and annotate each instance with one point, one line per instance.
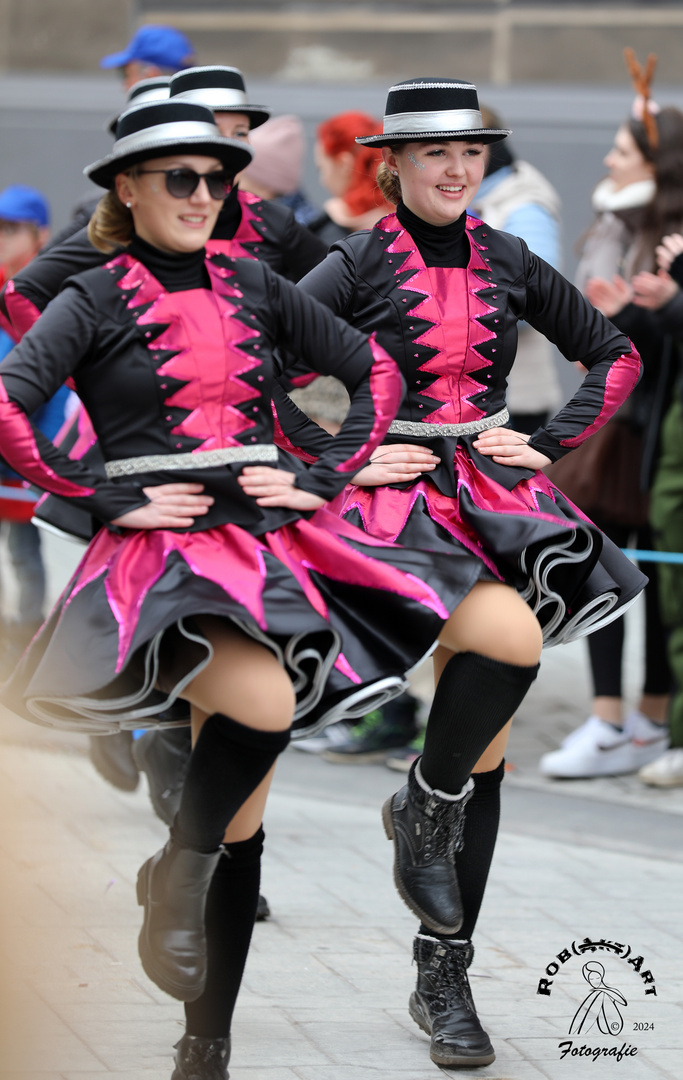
(329, 976)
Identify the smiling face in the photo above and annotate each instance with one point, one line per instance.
(625, 162)
(438, 179)
(172, 225)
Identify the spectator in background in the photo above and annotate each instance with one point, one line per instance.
(24, 228)
(349, 172)
(153, 50)
(276, 169)
(517, 198)
(637, 203)
(661, 293)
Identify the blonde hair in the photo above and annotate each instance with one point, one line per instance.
(111, 225)
(389, 184)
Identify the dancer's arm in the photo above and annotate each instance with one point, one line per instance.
(555, 307)
(26, 296)
(332, 347)
(48, 355)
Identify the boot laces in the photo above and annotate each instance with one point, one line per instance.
(444, 826)
(452, 984)
(200, 1054)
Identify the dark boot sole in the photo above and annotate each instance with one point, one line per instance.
(455, 1060)
(149, 964)
(423, 916)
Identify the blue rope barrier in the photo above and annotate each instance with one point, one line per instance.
(675, 557)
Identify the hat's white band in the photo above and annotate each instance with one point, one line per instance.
(213, 97)
(176, 131)
(448, 120)
(155, 93)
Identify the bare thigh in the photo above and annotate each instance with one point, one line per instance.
(494, 621)
(243, 680)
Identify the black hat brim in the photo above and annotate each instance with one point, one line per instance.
(485, 135)
(257, 114)
(233, 156)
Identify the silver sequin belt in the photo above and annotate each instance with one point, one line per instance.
(422, 429)
(202, 459)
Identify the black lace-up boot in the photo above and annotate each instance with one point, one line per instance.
(442, 1004)
(426, 827)
(198, 1058)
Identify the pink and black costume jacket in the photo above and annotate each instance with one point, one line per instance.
(446, 307)
(247, 227)
(172, 357)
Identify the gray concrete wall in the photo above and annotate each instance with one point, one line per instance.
(498, 41)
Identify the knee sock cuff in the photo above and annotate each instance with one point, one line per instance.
(232, 731)
(515, 674)
(242, 852)
(485, 781)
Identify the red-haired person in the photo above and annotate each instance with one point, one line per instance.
(349, 172)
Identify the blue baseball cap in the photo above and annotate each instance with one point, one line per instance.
(21, 203)
(163, 46)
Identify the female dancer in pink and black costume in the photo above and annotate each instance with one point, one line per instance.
(444, 292)
(259, 616)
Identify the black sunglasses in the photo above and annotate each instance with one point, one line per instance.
(181, 183)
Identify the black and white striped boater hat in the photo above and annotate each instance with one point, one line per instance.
(433, 109)
(219, 88)
(154, 89)
(160, 128)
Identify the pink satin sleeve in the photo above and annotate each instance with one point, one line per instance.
(21, 313)
(619, 383)
(386, 388)
(281, 440)
(19, 448)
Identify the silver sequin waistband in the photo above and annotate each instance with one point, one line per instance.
(203, 459)
(422, 429)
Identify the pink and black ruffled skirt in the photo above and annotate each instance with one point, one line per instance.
(346, 614)
(529, 536)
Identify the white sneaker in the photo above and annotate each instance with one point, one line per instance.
(599, 749)
(649, 740)
(327, 740)
(664, 771)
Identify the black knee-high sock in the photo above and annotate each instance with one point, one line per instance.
(227, 764)
(474, 699)
(473, 862)
(230, 912)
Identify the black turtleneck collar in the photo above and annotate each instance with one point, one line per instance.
(439, 245)
(177, 271)
(229, 217)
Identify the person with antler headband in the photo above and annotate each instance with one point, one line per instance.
(639, 202)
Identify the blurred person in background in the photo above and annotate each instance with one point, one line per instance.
(349, 172)
(276, 169)
(636, 205)
(661, 293)
(24, 229)
(153, 50)
(515, 197)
